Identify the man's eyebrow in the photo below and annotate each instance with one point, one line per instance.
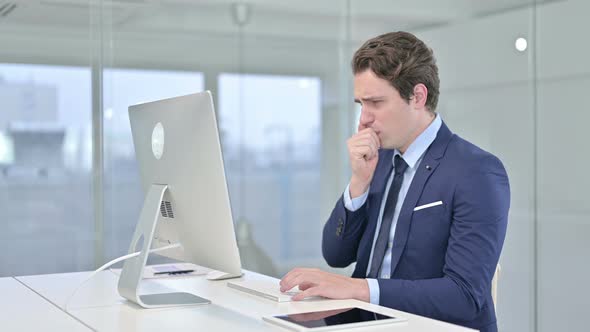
(375, 98)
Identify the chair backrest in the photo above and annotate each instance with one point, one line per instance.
(495, 286)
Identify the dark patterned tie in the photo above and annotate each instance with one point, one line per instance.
(400, 167)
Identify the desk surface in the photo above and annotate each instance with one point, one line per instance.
(99, 305)
(22, 309)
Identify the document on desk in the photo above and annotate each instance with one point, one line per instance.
(170, 270)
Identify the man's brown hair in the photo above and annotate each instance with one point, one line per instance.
(404, 61)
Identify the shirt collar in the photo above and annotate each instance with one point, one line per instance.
(421, 143)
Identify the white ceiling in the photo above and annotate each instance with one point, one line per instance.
(309, 19)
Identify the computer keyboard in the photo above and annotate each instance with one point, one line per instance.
(264, 288)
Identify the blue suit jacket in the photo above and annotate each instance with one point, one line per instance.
(443, 257)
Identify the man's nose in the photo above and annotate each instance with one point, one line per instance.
(366, 119)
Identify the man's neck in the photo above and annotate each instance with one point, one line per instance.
(428, 119)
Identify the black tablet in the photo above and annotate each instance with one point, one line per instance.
(328, 320)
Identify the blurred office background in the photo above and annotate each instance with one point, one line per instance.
(514, 76)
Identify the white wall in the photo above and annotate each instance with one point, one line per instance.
(488, 97)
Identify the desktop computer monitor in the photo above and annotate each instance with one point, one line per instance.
(187, 201)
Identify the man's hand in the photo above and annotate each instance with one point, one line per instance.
(363, 152)
(314, 282)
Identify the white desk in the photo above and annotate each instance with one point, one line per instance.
(98, 305)
(23, 310)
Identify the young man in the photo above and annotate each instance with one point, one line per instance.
(425, 213)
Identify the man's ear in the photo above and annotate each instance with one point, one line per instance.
(420, 95)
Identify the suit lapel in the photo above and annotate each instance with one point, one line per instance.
(426, 168)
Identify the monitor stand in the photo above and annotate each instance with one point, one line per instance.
(218, 275)
(133, 268)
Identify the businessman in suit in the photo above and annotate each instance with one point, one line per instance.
(424, 215)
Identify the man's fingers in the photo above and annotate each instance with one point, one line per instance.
(372, 135)
(295, 277)
(364, 152)
(288, 279)
(369, 134)
(366, 140)
(375, 138)
(364, 130)
(306, 285)
(312, 291)
(361, 127)
(307, 278)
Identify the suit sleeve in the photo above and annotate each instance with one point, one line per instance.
(342, 234)
(480, 216)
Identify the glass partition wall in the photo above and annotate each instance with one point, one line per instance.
(513, 76)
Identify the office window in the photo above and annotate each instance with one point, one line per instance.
(45, 163)
(270, 131)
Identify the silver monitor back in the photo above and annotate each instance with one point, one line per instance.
(177, 144)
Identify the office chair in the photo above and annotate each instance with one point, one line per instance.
(495, 286)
